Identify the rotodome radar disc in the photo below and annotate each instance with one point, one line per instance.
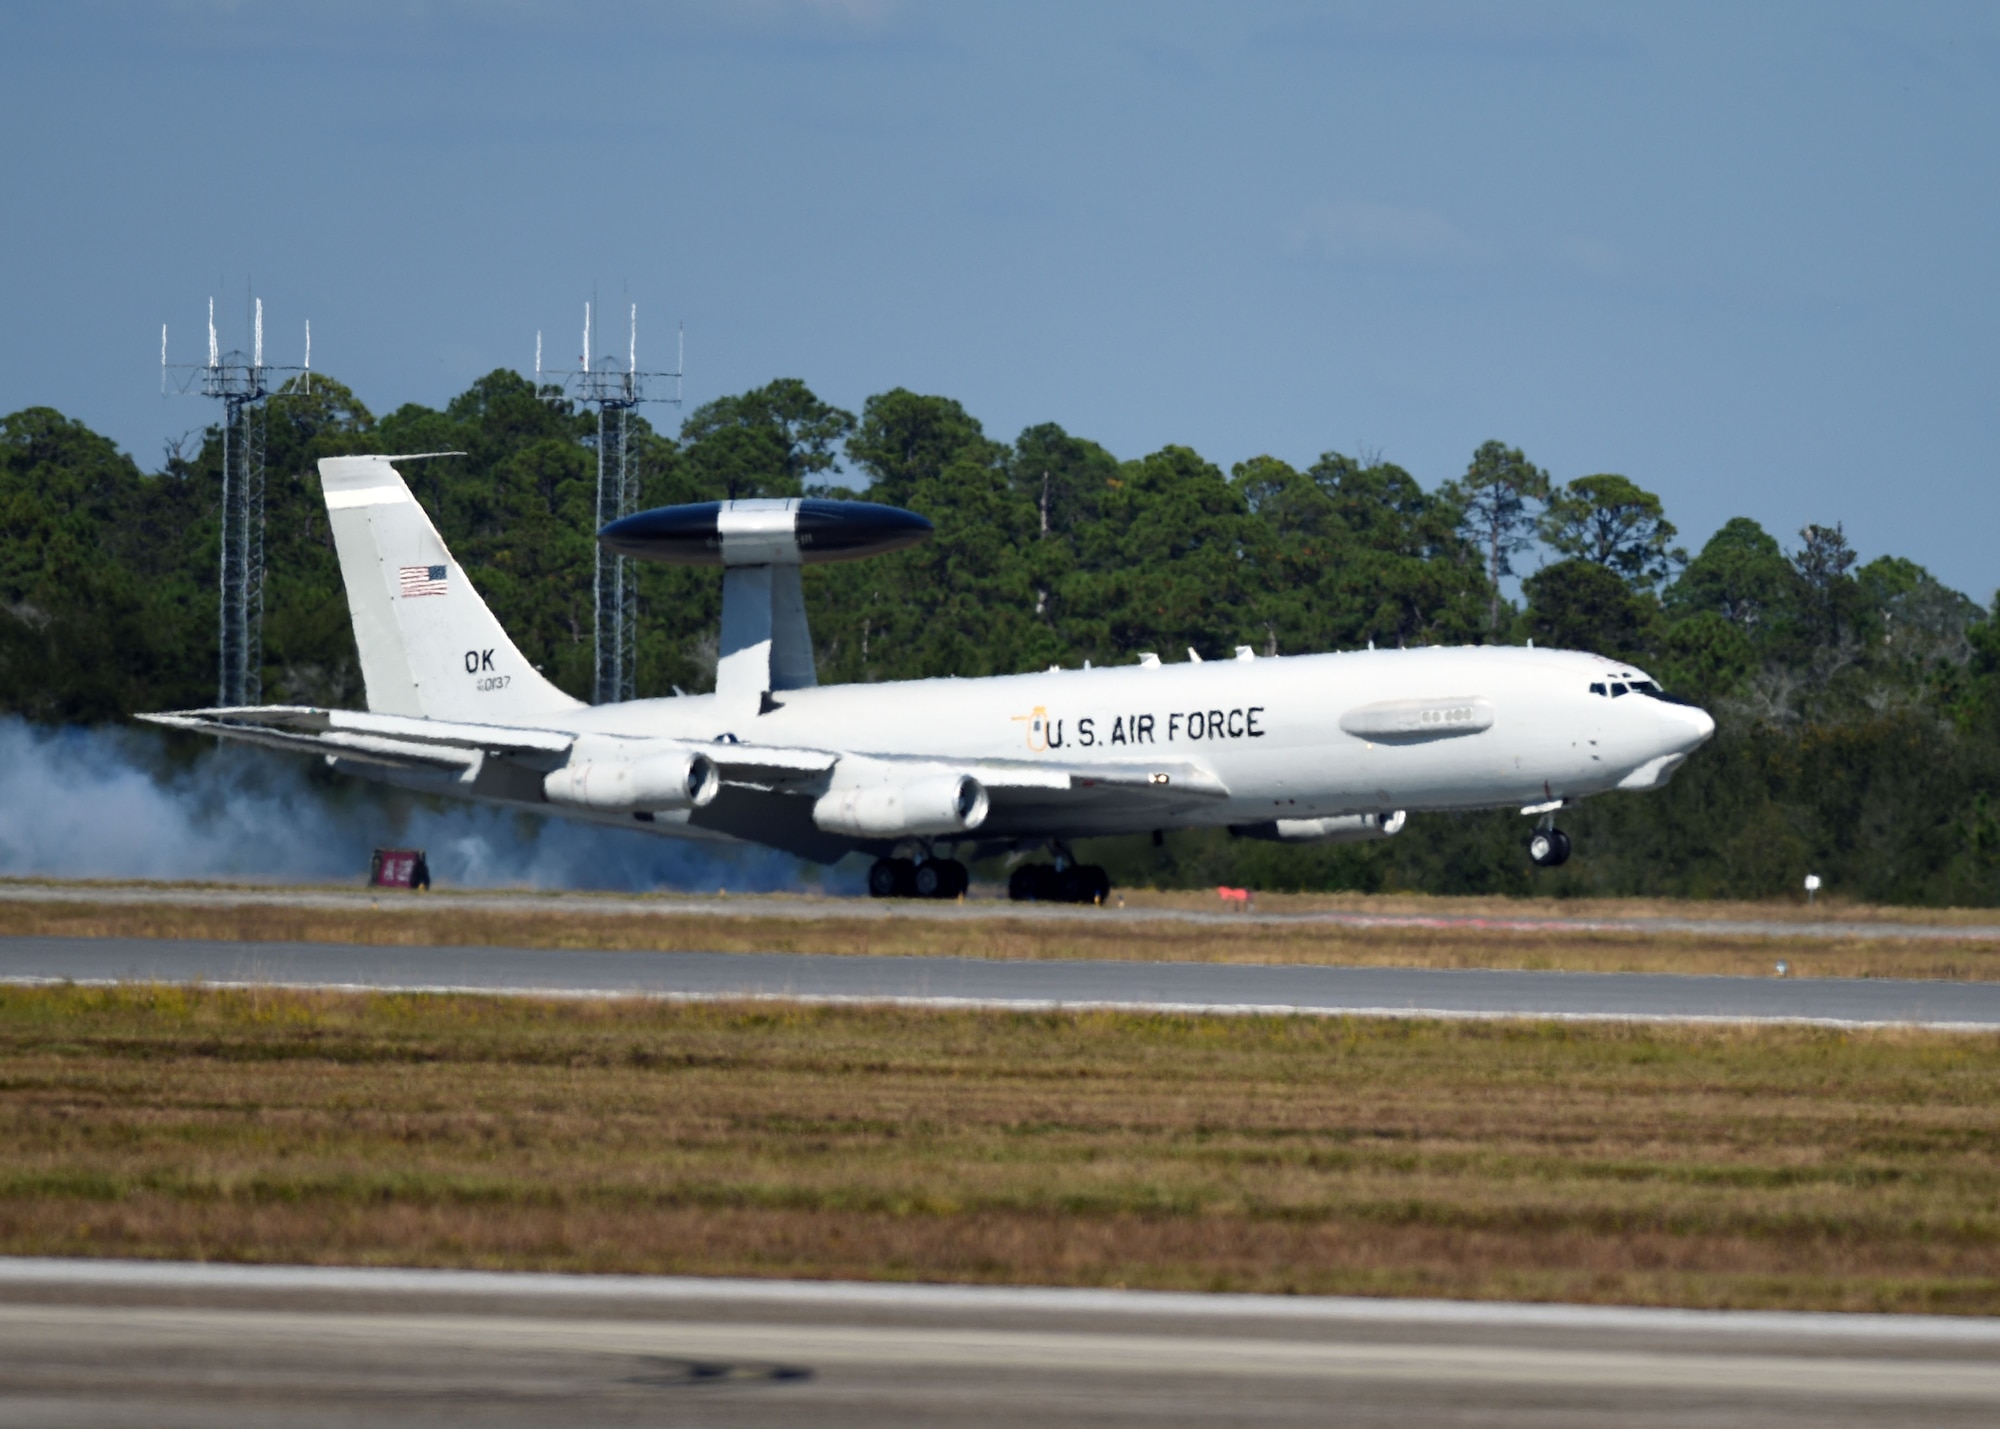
(807, 530)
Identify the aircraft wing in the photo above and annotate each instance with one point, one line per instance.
(409, 742)
(1173, 781)
(395, 741)
(1023, 794)
(1032, 796)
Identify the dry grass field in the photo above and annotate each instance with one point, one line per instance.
(1692, 1166)
(1830, 909)
(413, 920)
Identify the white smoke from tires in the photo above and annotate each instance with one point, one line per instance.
(113, 802)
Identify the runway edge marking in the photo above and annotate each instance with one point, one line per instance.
(1027, 1004)
(42, 1270)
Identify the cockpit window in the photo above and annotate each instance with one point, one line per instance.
(1648, 688)
(1616, 689)
(1598, 688)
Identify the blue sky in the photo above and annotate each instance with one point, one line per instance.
(1745, 255)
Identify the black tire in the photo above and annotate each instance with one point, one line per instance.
(1548, 848)
(882, 878)
(1032, 883)
(939, 878)
(1096, 884)
(1070, 886)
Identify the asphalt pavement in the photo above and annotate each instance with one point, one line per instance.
(114, 1343)
(1020, 985)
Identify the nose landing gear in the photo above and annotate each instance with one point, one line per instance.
(1549, 847)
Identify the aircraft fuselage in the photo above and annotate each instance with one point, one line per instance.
(1269, 729)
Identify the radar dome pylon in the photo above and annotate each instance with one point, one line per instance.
(766, 644)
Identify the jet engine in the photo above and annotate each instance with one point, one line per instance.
(1341, 829)
(929, 804)
(649, 782)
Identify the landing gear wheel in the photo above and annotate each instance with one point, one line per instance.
(1549, 848)
(1044, 883)
(940, 878)
(1032, 883)
(1083, 883)
(891, 878)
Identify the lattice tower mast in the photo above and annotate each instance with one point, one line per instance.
(240, 381)
(614, 390)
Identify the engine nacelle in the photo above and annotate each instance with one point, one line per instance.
(651, 782)
(886, 809)
(1341, 829)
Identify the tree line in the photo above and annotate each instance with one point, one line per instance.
(1858, 704)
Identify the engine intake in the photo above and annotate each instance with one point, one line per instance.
(668, 780)
(933, 804)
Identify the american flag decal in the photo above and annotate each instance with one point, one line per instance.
(423, 580)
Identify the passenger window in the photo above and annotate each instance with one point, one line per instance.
(1616, 689)
(1597, 689)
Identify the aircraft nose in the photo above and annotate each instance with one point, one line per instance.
(1686, 727)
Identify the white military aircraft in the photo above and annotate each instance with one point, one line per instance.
(1297, 748)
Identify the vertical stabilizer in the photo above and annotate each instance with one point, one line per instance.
(428, 644)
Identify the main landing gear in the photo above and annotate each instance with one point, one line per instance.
(904, 878)
(1046, 883)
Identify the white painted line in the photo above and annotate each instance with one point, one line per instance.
(1027, 1004)
(631, 1289)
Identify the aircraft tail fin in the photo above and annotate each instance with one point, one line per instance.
(428, 644)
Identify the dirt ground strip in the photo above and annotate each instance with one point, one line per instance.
(1676, 1165)
(577, 923)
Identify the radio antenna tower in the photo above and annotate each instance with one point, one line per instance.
(614, 389)
(240, 381)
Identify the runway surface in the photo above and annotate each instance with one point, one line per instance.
(795, 906)
(1022, 985)
(133, 1343)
